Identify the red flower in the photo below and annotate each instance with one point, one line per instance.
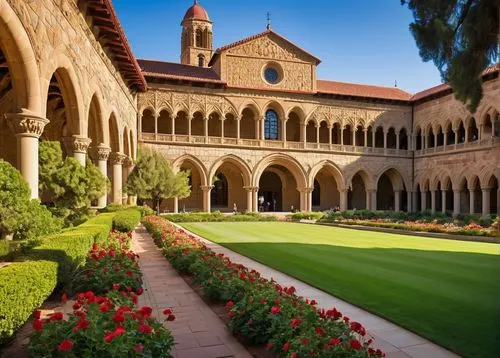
(294, 355)
(167, 312)
(354, 343)
(82, 324)
(145, 311)
(229, 304)
(230, 314)
(306, 341)
(319, 331)
(138, 348)
(38, 325)
(346, 319)
(275, 310)
(139, 291)
(105, 307)
(65, 345)
(56, 316)
(37, 314)
(116, 286)
(263, 300)
(77, 305)
(119, 318)
(170, 317)
(286, 347)
(334, 341)
(94, 247)
(295, 322)
(108, 337)
(64, 297)
(129, 273)
(144, 328)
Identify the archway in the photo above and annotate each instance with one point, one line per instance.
(270, 196)
(327, 181)
(220, 192)
(391, 138)
(391, 194)
(197, 178)
(464, 196)
(492, 184)
(293, 127)
(164, 123)
(347, 135)
(472, 131)
(181, 123)
(323, 132)
(148, 121)
(356, 198)
(475, 187)
(230, 126)
(440, 137)
(418, 139)
(248, 125)
(430, 138)
(197, 125)
(311, 132)
(336, 133)
(379, 138)
(96, 130)
(214, 125)
(450, 135)
(403, 139)
(360, 136)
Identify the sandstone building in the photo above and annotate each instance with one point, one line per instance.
(250, 120)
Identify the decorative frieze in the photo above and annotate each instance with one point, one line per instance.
(26, 123)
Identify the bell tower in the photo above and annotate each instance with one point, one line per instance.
(196, 41)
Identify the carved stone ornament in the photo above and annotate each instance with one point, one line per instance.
(117, 158)
(128, 162)
(77, 144)
(101, 152)
(26, 123)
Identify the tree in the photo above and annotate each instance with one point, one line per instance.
(20, 215)
(66, 186)
(153, 179)
(461, 37)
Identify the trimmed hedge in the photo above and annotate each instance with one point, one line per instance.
(127, 220)
(317, 215)
(217, 216)
(24, 286)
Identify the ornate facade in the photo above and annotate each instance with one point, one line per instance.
(250, 120)
(259, 131)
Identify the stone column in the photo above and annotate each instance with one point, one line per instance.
(263, 128)
(423, 200)
(456, 136)
(472, 196)
(414, 201)
(443, 201)
(308, 199)
(101, 154)
(283, 132)
(173, 124)
(238, 129)
(249, 191)
(139, 126)
(397, 201)
(385, 139)
(27, 127)
(466, 135)
(433, 201)
(368, 199)
(397, 140)
(206, 197)
(156, 115)
(222, 121)
(365, 133)
(435, 141)
(176, 205)
(303, 133)
(330, 135)
(373, 200)
(354, 137)
(486, 201)
(373, 138)
(255, 199)
(423, 140)
(456, 202)
(77, 147)
(128, 166)
(117, 160)
(343, 200)
(409, 201)
(205, 130)
(317, 135)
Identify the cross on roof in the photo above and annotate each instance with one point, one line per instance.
(268, 21)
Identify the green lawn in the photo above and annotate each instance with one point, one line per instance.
(447, 291)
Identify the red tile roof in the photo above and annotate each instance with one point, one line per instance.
(262, 34)
(445, 87)
(112, 37)
(196, 12)
(172, 70)
(359, 90)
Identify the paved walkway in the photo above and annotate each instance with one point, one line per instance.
(393, 340)
(198, 331)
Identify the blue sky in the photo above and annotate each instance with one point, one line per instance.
(358, 41)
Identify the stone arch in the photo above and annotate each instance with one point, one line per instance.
(126, 142)
(280, 159)
(331, 168)
(394, 173)
(177, 163)
(246, 172)
(391, 193)
(21, 61)
(275, 106)
(115, 141)
(96, 129)
(367, 179)
(252, 106)
(298, 110)
(61, 68)
(359, 184)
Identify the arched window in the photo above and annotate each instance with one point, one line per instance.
(199, 38)
(271, 125)
(201, 61)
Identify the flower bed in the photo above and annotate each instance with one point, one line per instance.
(437, 223)
(105, 321)
(260, 311)
(217, 216)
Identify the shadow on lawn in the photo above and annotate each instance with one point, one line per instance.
(451, 298)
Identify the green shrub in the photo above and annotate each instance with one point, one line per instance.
(69, 248)
(307, 216)
(217, 216)
(126, 220)
(24, 286)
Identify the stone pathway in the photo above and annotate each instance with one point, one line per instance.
(395, 341)
(198, 331)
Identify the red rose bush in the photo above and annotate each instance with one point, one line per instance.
(260, 311)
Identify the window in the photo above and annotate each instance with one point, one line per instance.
(201, 61)
(272, 73)
(271, 125)
(199, 38)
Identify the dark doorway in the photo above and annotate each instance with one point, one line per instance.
(270, 195)
(219, 193)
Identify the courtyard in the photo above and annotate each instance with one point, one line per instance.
(444, 290)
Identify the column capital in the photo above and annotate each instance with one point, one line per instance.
(128, 162)
(206, 188)
(77, 143)
(486, 189)
(117, 158)
(306, 190)
(26, 123)
(101, 152)
(251, 188)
